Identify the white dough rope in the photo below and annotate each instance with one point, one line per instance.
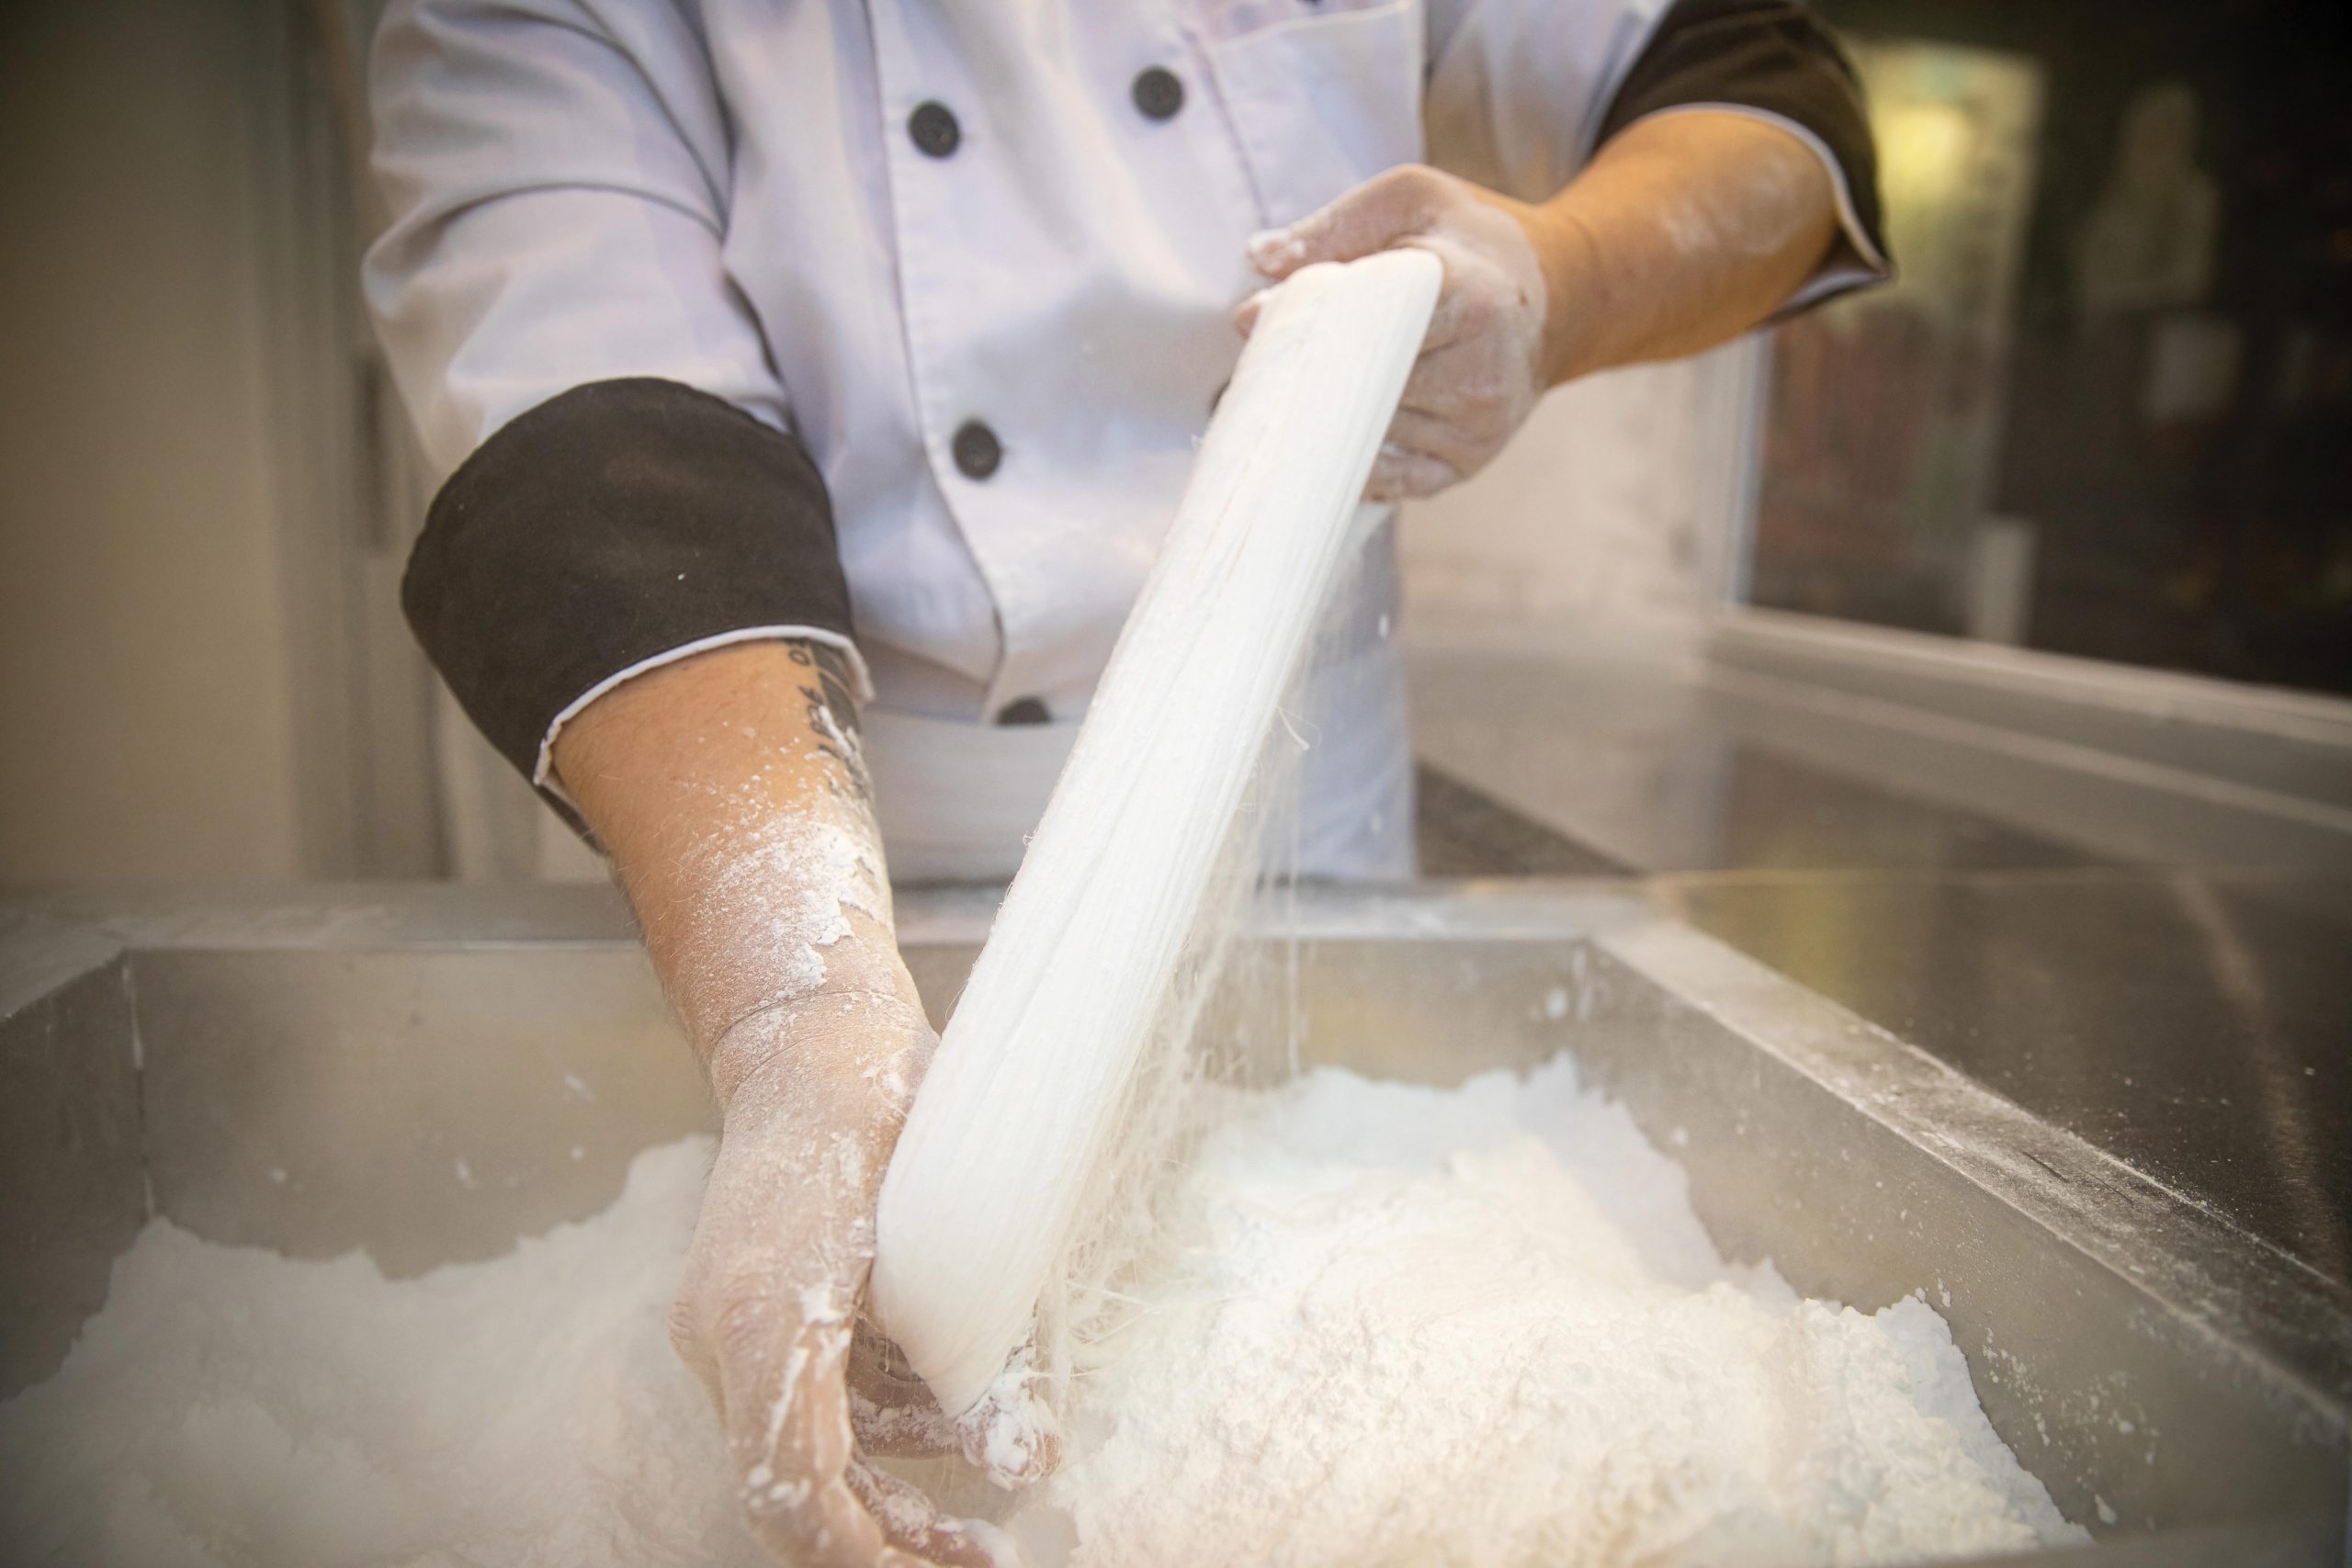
(1012, 1119)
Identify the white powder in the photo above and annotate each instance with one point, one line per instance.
(1389, 1326)
(1397, 1327)
(230, 1409)
(792, 877)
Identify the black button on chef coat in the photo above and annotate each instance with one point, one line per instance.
(977, 450)
(933, 129)
(1025, 710)
(1158, 93)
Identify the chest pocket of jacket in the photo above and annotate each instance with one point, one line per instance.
(1323, 101)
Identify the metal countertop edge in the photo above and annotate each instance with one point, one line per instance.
(358, 916)
(2165, 1243)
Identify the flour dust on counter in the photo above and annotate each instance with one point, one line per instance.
(1378, 1324)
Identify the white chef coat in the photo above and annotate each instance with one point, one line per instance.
(728, 194)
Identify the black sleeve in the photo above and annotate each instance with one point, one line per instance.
(615, 522)
(1771, 55)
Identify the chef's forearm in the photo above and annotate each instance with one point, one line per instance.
(728, 791)
(1685, 230)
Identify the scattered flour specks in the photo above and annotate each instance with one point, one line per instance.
(1386, 1325)
(231, 1408)
(1400, 1326)
(793, 878)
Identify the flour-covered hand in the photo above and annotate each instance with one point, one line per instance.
(730, 789)
(768, 1312)
(1482, 363)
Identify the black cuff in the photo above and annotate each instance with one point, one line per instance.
(1774, 56)
(610, 525)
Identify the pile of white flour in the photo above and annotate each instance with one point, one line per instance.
(1390, 1326)
(232, 1409)
(1405, 1327)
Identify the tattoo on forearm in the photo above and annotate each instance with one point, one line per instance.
(832, 715)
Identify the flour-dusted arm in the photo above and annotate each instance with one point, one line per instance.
(632, 584)
(728, 789)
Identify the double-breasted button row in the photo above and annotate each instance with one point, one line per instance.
(932, 127)
(1158, 93)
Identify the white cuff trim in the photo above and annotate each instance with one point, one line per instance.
(861, 683)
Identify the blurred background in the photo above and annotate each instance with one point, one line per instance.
(2104, 414)
(1976, 652)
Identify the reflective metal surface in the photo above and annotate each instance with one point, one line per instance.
(1464, 831)
(2196, 1025)
(70, 1166)
(432, 1077)
(1637, 759)
(2121, 898)
(2295, 744)
(1753, 750)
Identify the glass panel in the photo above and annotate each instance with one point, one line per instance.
(2106, 407)
(1885, 414)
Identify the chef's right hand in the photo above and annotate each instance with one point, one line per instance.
(767, 1313)
(729, 790)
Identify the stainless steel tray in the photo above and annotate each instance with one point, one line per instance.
(307, 1070)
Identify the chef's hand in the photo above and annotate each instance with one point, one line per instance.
(1684, 231)
(730, 792)
(768, 1312)
(1481, 367)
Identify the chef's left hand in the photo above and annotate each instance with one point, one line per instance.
(1484, 363)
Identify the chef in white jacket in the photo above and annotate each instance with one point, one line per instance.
(813, 381)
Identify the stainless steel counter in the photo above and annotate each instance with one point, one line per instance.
(2021, 983)
(2192, 1023)
(431, 1072)
(1666, 756)
(2123, 900)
